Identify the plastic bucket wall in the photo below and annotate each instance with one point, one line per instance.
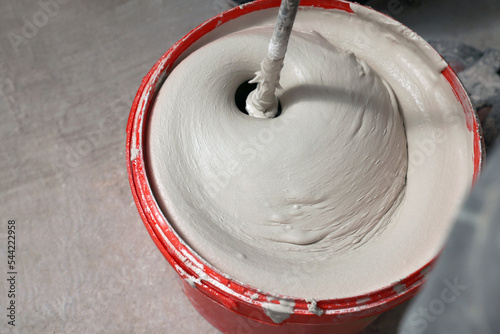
(230, 306)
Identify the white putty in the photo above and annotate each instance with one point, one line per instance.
(192, 281)
(272, 190)
(363, 300)
(312, 306)
(134, 153)
(306, 209)
(279, 312)
(399, 287)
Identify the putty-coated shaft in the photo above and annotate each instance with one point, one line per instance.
(262, 102)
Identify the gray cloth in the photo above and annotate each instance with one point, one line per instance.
(479, 72)
(463, 292)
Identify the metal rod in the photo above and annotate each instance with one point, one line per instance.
(262, 102)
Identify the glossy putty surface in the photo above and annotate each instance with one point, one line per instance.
(350, 189)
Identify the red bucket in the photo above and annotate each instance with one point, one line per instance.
(235, 307)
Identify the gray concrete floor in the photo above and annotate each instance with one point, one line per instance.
(84, 262)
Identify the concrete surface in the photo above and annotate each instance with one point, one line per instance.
(68, 72)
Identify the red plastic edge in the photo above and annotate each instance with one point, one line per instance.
(470, 117)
